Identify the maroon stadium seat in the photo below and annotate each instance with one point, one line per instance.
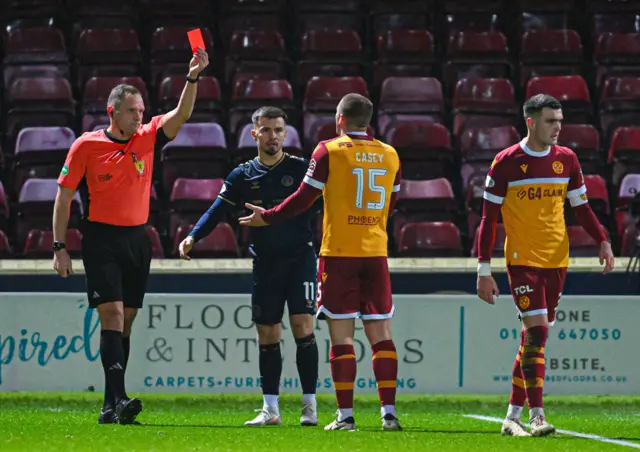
(484, 143)
(6, 252)
(424, 149)
(571, 91)
(550, 52)
(326, 52)
(472, 54)
(584, 140)
(157, 251)
(35, 46)
(428, 199)
(581, 244)
(190, 198)
(498, 246)
(247, 148)
(197, 152)
(221, 243)
(624, 152)
(619, 103)
(208, 105)
(40, 153)
(38, 244)
(14, 72)
(472, 21)
(97, 90)
(429, 239)
(597, 193)
(38, 101)
(256, 44)
(408, 99)
(617, 54)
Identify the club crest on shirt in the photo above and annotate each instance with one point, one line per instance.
(558, 167)
(524, 302)
(287, 181)
(140, 166)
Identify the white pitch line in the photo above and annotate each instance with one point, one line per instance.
(602, 439)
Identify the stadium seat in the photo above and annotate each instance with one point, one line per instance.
(208, 105)
(321, 98)
(424, 149)
(498, 245)
(409, 99)
(221, 243)
(482, 144)
(6, 252)
(581, 244)
(550, 52)
(14, 72)
(616, 54)
(38, 101)
(247, 147)
(431, 200)
(40, 152)
(189, 199)
(97, 89)
(405, 46)
(483, 102)
(597, 193)
(104, 52)
(250, 95)
(169, 50)
(473, 54)
(472, 21)
(38, 244)
(584, 140)
(327, 52)
(35, 204)
(34, 46)
(429, 239)
(199, 151)
(624, 152)
(571, 91)
(157, 251)
(255, 44)
(619, 103)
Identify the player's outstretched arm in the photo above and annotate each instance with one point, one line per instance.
(172, 121)
(207, 223)
(486, 285)
(295, 204)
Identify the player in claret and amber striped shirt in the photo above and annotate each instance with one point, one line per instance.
(528, 183)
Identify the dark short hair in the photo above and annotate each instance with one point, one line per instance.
(356, 109)
(268, 112)
(535, 104)
(119, 92)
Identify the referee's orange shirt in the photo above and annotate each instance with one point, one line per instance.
(118, 174)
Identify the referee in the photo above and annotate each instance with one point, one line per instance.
(115, 166)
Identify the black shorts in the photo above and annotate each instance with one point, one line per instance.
(116, 262)
(280, 281)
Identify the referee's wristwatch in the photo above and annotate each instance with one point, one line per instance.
(57, 246)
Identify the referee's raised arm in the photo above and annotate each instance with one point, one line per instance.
(114, 168)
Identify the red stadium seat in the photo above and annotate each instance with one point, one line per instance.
(482, 144)
(221, 243)
(498, 246)
(406, 46)
(584, 140)
(97, 90)
(327, 52)
(430, 199)
(580, 243)
(471, 54)
(157, 251)
(38, 244)
(208, 105)
(409, 99)
(597, 193)
(37, 101)
(189, 199)
(617, 54)
(424, 149)
(550, 52)
(6, 252)
(35, 46)
(254, 44)
(571, 91)
(624, 152)
(199, 151)
(619, 103)
(429, 239)
(472, 21)
(14, 72)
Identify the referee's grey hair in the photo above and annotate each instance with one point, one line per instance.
(118, 93)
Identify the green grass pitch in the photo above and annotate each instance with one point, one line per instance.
(68, 422)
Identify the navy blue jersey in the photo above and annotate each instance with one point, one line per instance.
(252, 182)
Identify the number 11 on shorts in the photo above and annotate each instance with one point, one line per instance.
(309, 290)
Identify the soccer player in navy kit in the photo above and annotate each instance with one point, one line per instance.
(284, 261)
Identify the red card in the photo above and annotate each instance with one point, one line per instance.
(195, 39)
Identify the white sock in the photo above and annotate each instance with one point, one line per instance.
(270, 403)
(388, 409)
(309, 399)
(514, 412)
(344, 413)
(535, 412)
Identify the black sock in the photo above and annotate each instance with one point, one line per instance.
(109, 399)
(113, 362)
(270, 368)
(307, 362)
